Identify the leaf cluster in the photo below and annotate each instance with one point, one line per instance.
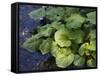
(70, 37)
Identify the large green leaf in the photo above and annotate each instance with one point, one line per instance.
(92, 45)
(54, 49)
(57, 25)
(38, 13)
(42, 28)
(75, 21)
(83, 49)
(79, 61)
(93, 54)
(46, 30)
(61, 37)
(77, 36)
(92, 17)
(91, 63)
(64, 58)
(45, 47)
(87, 48)
(70, 10)
(32, 44)
(54, 13)
(63, 52)
(92, 34)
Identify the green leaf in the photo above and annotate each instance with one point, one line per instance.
(64, 58)
(70, 10)
(92, 34)
(61, 37)
(63, 52)
(45, 47)
(32, 44)
(79, 61)
(75, 21)
(54, 13)
(57, 25)
(46, 30)
(38, 13)
(91, 63)
(92, 46)
(54, 49)
(42, 28)
(93, 54)
(87, 48)
(83, 49)
(77, 36)
(92, 17)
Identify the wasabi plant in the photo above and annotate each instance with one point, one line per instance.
(70, 35)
